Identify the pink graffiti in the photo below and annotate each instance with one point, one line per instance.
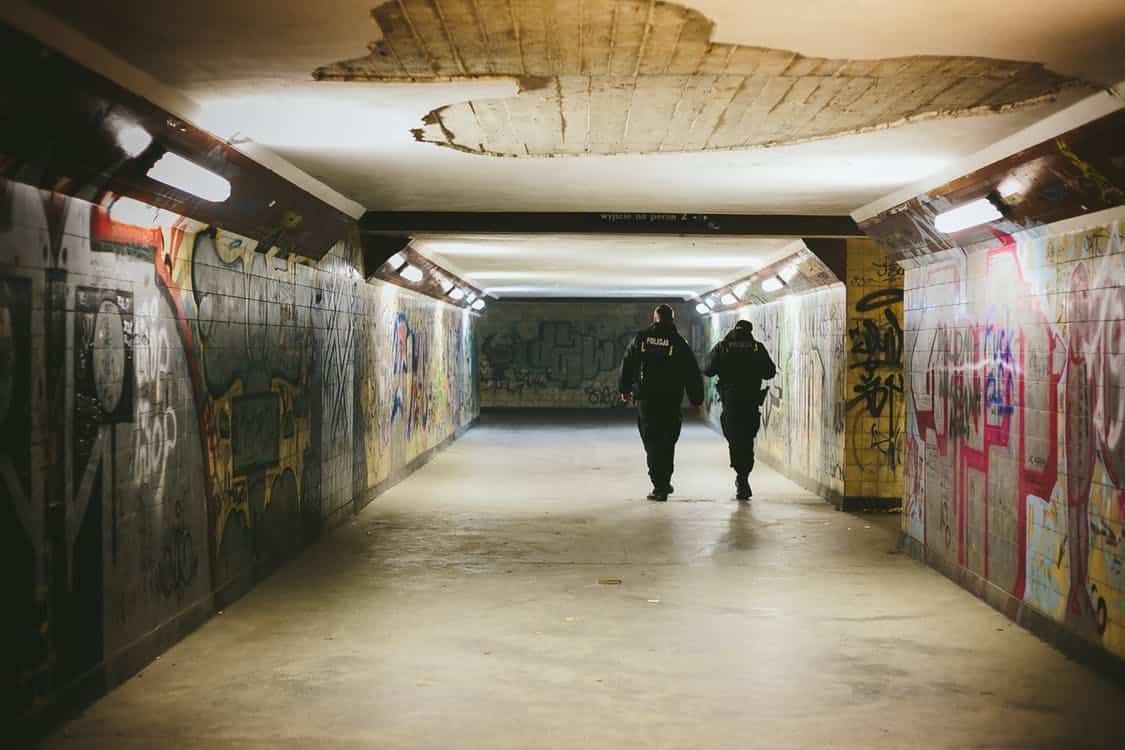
(1095, 416)
(976, 379)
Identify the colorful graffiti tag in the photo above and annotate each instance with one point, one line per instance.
(1014, 443)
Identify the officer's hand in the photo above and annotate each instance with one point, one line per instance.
(626, 398)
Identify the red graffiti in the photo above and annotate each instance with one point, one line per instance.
(1095, 418)
(977, 380)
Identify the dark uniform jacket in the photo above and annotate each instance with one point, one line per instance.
(742, 363)
(659, 365)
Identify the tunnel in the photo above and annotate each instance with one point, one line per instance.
(562, 373)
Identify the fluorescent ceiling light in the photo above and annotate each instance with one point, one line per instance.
(446, 284)
(789, 272)
(741, 289)
(471, 297)
(729, 299)
(975, 213)
(177, 172)
(1010, 188)
(702, 309)
(457, 294)
(396, 261)
(772, 284)
(133, 140)
(412, 274)
(133, 212)
(508, 275)
(478, 305)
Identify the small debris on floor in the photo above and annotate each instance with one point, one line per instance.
(654, 601)
(609, 581)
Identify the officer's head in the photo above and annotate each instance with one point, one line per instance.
(745, 325)
(664, 314)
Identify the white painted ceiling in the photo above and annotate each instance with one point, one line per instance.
(249, 63)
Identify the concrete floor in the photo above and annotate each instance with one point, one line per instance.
(464, 609)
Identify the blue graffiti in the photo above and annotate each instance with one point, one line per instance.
(1000, 370)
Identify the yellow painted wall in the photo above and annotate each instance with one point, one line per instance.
(875, 398)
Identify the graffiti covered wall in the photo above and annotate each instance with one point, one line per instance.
(1014, 450)
(876, 401)
(545, 354)
(803, 415)
(180, 414)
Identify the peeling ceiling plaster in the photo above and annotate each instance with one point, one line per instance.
(642, 77)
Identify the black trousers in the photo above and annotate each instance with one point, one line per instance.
(660, 422)
(741, 420)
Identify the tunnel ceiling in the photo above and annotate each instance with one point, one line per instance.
(644, 77)
(514, 265)
(247, 65)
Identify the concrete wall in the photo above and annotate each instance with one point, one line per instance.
(545, 354)
(1014, 452)
(178, 415)
(803, 417)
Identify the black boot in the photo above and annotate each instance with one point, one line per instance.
(659, 494)
(742, 487)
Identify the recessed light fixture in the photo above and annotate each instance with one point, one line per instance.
(457, 294)
(741, 289)
(478, 305)
(177, 172)
(471, 297)
(446, 284)
(790, 272)
(972, 214)
(729, 299)
(1010, 188)
(772, 284)
(396, 261)
(133, 140)
(132, 212)
(413, 274)
(702, 309)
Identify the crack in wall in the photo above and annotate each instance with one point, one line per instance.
(643, 76)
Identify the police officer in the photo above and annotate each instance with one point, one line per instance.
(742, 363)
(659, 365)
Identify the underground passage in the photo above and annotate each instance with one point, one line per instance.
(529, 373)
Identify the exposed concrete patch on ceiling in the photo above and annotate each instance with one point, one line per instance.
(641, 77)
